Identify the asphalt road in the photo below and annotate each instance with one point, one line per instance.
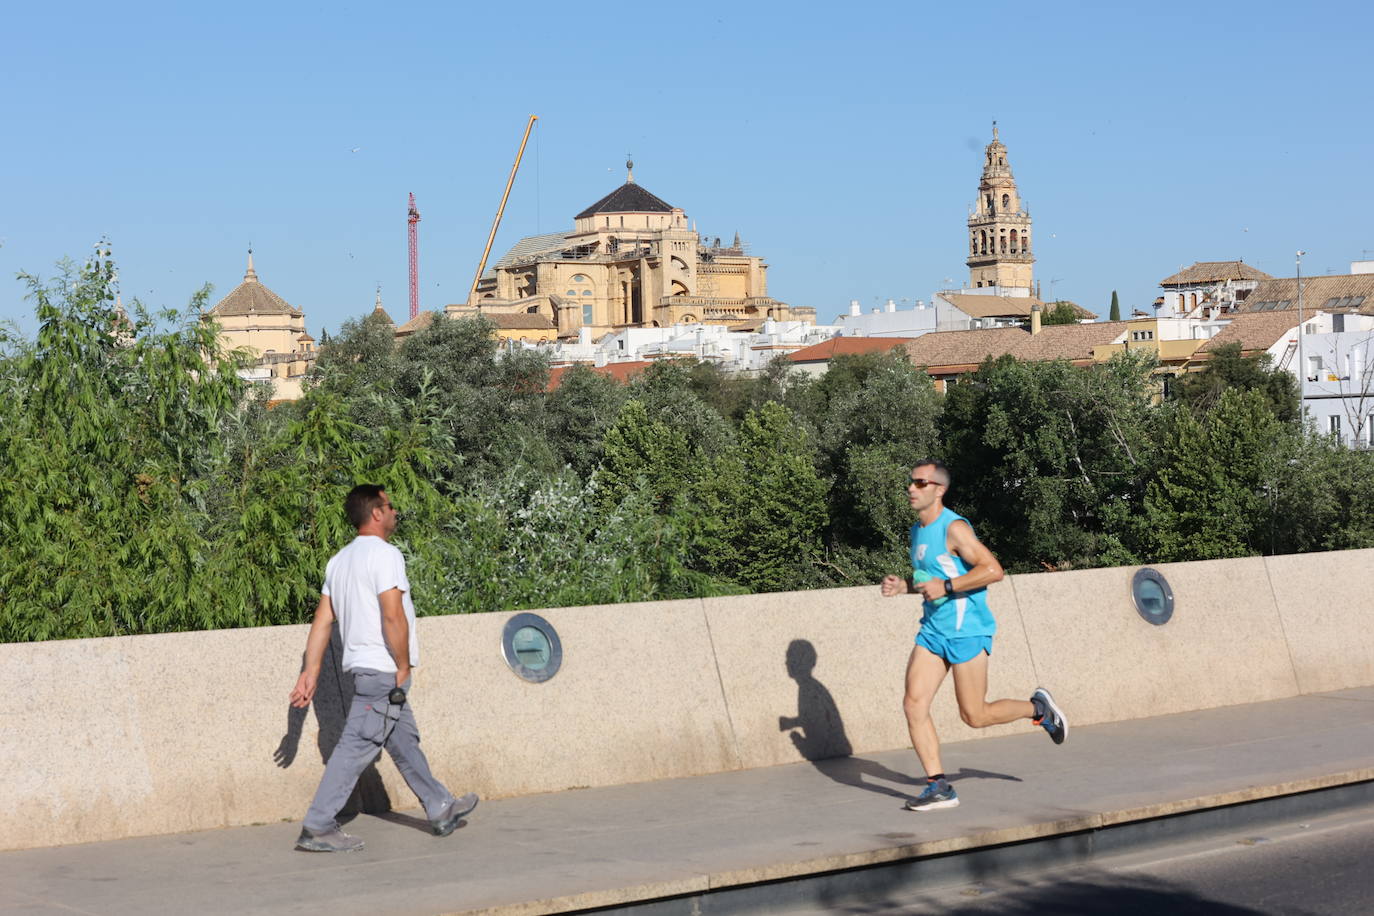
(1304, 868)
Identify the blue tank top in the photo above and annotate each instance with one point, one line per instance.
(968, 613)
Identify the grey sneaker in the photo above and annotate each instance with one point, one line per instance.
(331, 841)
(937, 795)
(457, 809)
(1049, 716)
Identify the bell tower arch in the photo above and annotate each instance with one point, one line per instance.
(999, 226)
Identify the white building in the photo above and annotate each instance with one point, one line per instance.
(732, 350)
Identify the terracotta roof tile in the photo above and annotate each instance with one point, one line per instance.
(520, 321)
(418, 323)
(252, 296)
(964, 348)
(1317, 293)
(847, 346)
(621, 372)
(1213, 272)
(1254, 331)
(978, 306)
(1073, 342)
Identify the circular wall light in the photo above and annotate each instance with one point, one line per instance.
(532, 648)
(1154, 599)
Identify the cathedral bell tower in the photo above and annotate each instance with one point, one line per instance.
(999, 229)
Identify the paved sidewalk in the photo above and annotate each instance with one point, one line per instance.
(599, 847)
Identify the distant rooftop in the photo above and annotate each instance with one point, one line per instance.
(1214, 272)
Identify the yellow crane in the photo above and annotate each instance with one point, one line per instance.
(496, 223)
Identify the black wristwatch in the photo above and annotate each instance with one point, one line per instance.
(949, 587)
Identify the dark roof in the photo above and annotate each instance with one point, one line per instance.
(1214, 271)
(628, 198)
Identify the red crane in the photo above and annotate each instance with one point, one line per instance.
(413, 234)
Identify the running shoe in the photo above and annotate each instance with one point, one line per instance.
(454, 812)
(330, 841)
(1049, 716)
(938, 794)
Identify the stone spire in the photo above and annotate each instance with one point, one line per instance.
(252, 275)
(629, 169)
(999, 226)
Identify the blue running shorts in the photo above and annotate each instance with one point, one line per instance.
(956, 651)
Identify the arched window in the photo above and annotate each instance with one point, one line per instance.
(1006, 201)
(972, 244)
(1014, 248)
(579, 285)
(984, 234)
(1004, 243)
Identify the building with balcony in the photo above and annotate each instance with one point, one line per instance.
(1208, 289)
(631, 260)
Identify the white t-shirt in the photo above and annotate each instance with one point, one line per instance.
(353, 579)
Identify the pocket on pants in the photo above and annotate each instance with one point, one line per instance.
(373, 722)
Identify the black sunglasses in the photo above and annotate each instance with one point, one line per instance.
(921, 483)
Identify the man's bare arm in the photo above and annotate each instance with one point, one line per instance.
(396, 631)
(315, 644)
(983, 566)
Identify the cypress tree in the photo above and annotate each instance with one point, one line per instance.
(1116, 308)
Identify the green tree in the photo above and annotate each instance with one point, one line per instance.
(578, 414)
(1115, 313)
(1049, 460)
(638, 452)
(762, 507)
(108, 444)
(1227, 369)
(1060, 312)
(877, 422)
(1209, 498)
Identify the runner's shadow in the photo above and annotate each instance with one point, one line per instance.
(817, 730)
(333, 696)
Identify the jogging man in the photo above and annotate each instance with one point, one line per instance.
(951, 570)
(366, 589)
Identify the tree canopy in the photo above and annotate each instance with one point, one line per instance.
(147, 488)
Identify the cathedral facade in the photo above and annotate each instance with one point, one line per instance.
(631, 260)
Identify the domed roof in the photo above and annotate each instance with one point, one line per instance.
(251, 296)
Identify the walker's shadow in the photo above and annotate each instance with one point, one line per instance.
(818, 733)
(333, 696)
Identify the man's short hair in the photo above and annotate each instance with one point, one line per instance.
(941, 475)
(360, 502)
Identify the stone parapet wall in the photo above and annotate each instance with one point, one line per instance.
(142, 735)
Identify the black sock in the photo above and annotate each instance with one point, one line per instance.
(1039, 705)
(938, 777)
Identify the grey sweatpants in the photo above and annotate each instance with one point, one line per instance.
(361, 744)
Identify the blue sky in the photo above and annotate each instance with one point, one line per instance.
(842, 141)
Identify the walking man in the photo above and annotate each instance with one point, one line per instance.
(951, 570)
(366, 590)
